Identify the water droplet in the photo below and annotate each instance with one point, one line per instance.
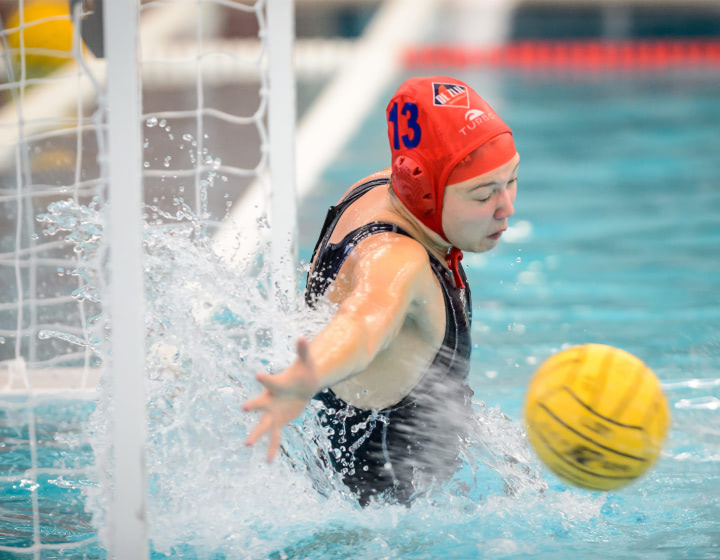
(151, 122)
(187, 137)
(167, 160)
(2, 340)
(518, 259)
(146, 143)
(146, 164)
(34, 237)
(163, 123)
(44, 335)
(61, 271)
(94, 319)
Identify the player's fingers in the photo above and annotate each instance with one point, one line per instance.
(263, 426)
(258, 403)
(274, 444)
(268, 381)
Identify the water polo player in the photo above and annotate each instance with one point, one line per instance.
(391, 367)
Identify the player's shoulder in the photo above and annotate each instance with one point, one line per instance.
(382, 174)
(391, 251)
(393, 263)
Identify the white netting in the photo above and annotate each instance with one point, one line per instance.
(203, 126)
(204, 132)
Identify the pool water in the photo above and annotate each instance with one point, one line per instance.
(615, 240)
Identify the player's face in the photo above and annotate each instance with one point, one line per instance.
(476, 211)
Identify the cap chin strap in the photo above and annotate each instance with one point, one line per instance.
(453, 259)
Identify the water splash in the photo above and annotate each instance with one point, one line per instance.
(72, 339)
(83, 228)
(209, 329)
(83, 225)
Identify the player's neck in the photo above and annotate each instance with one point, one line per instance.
(428, 238)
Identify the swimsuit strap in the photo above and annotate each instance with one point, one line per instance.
(337, 210)
(333, 255)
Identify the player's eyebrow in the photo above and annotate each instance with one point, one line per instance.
(482, 185)
(491, 183)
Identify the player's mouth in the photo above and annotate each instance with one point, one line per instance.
(497, 234)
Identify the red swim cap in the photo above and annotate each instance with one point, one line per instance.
(434, 124)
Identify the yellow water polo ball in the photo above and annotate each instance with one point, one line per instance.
(47, 26)
(596, 416)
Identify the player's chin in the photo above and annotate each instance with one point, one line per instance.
(482, 245)
(476, 243)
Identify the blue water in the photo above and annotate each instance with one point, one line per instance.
(616, 240)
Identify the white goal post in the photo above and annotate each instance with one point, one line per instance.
(128, 531)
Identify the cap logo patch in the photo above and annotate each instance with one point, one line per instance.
(450, 95)
(474, 118)
(473, 114)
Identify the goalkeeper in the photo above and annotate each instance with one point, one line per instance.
(390, 368)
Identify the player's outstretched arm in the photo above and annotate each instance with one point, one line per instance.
(389, 273)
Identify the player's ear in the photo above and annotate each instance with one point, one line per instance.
(413, 186)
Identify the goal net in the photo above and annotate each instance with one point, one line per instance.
(205, 130)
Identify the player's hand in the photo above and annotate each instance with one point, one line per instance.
(285, 396)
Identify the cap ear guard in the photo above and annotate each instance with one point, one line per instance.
(413, 187)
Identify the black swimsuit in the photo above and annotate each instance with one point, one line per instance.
(389, 452)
